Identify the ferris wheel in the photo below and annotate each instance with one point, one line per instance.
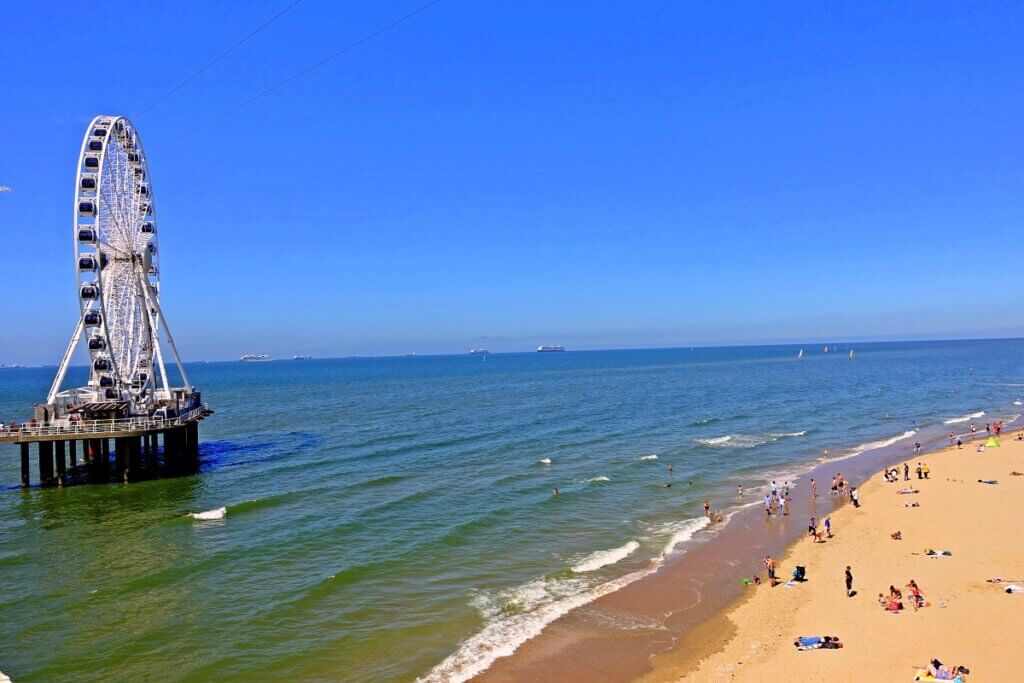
(117, 265)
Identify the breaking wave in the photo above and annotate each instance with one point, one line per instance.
(217, 513)
(747, 440)
(603, 558)
(964, 418)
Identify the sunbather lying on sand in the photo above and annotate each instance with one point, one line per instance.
(936, 671)
(817, 643)
(897, 535)
(908, 490)
(915, 504)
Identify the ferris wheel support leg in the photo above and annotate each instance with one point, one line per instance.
(63, 369)
(170, 337)
(154, 331)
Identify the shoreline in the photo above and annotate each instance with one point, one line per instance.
(752, 638)
(690, 592)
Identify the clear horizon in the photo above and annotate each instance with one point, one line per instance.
(620, 177)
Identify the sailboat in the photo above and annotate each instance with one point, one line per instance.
(826, 348)
(800, 355)
(851, 354)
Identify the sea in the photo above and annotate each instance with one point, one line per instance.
(394, 519)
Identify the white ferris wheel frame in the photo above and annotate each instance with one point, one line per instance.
(117, 269)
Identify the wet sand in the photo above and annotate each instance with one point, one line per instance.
(637, 631)
(969, 621)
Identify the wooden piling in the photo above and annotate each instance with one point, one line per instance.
(24, 466)
(46, 463)
(61, 464)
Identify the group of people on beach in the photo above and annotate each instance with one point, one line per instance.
(894, 601)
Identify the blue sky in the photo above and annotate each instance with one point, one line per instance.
(508, 174)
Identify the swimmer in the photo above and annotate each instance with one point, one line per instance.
(556, 491)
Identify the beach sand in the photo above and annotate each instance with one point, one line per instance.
(970, 621)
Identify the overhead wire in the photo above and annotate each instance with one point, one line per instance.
(351, 46)
(216, 59)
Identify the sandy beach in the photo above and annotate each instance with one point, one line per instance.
(969, 620)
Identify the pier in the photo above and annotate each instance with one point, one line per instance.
(128, 399)
(78, 450)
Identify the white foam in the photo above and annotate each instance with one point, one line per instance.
(544, 461)
(684, 531)
(541, 602)
(964, 418)
(515, 616)
(748, 440)
(872, 445)
(603, 558)
(217, 513)
(649, 457)
(601, 478)
(1018, 403)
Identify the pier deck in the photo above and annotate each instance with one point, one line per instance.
(137, 448)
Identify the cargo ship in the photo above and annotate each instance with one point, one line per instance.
(474, 352)
(255, 358)
(545, 349)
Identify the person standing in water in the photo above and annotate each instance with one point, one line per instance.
(707, 508)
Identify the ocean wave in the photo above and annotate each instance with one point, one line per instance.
(514, 616)
(598, 479)
(603, 558)
(1018, 403)
(544, 461)
(873, 445)
(748, 440)
(648, 457)
(683, 531)
(964, 418)
(217, 513)
(705, 421)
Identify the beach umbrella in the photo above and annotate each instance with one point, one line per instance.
(992, 442)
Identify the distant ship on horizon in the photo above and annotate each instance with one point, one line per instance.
(302, 357)
(474, 352)
(545, 349)
(255, 358)
(13, 366)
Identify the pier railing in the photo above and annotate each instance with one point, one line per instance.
(68, 427)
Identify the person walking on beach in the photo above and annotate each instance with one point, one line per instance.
(767, 505)
(739, 490)
(988, 429)
(906, 472)
(849, 582)
(782, 505)
(769, 565)
(828, 526)
(925, 470)
(951, 436)
(919, 475)
(855, 497)
(974, 430)
(917, 448)
(814, 489)
(959, 442)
